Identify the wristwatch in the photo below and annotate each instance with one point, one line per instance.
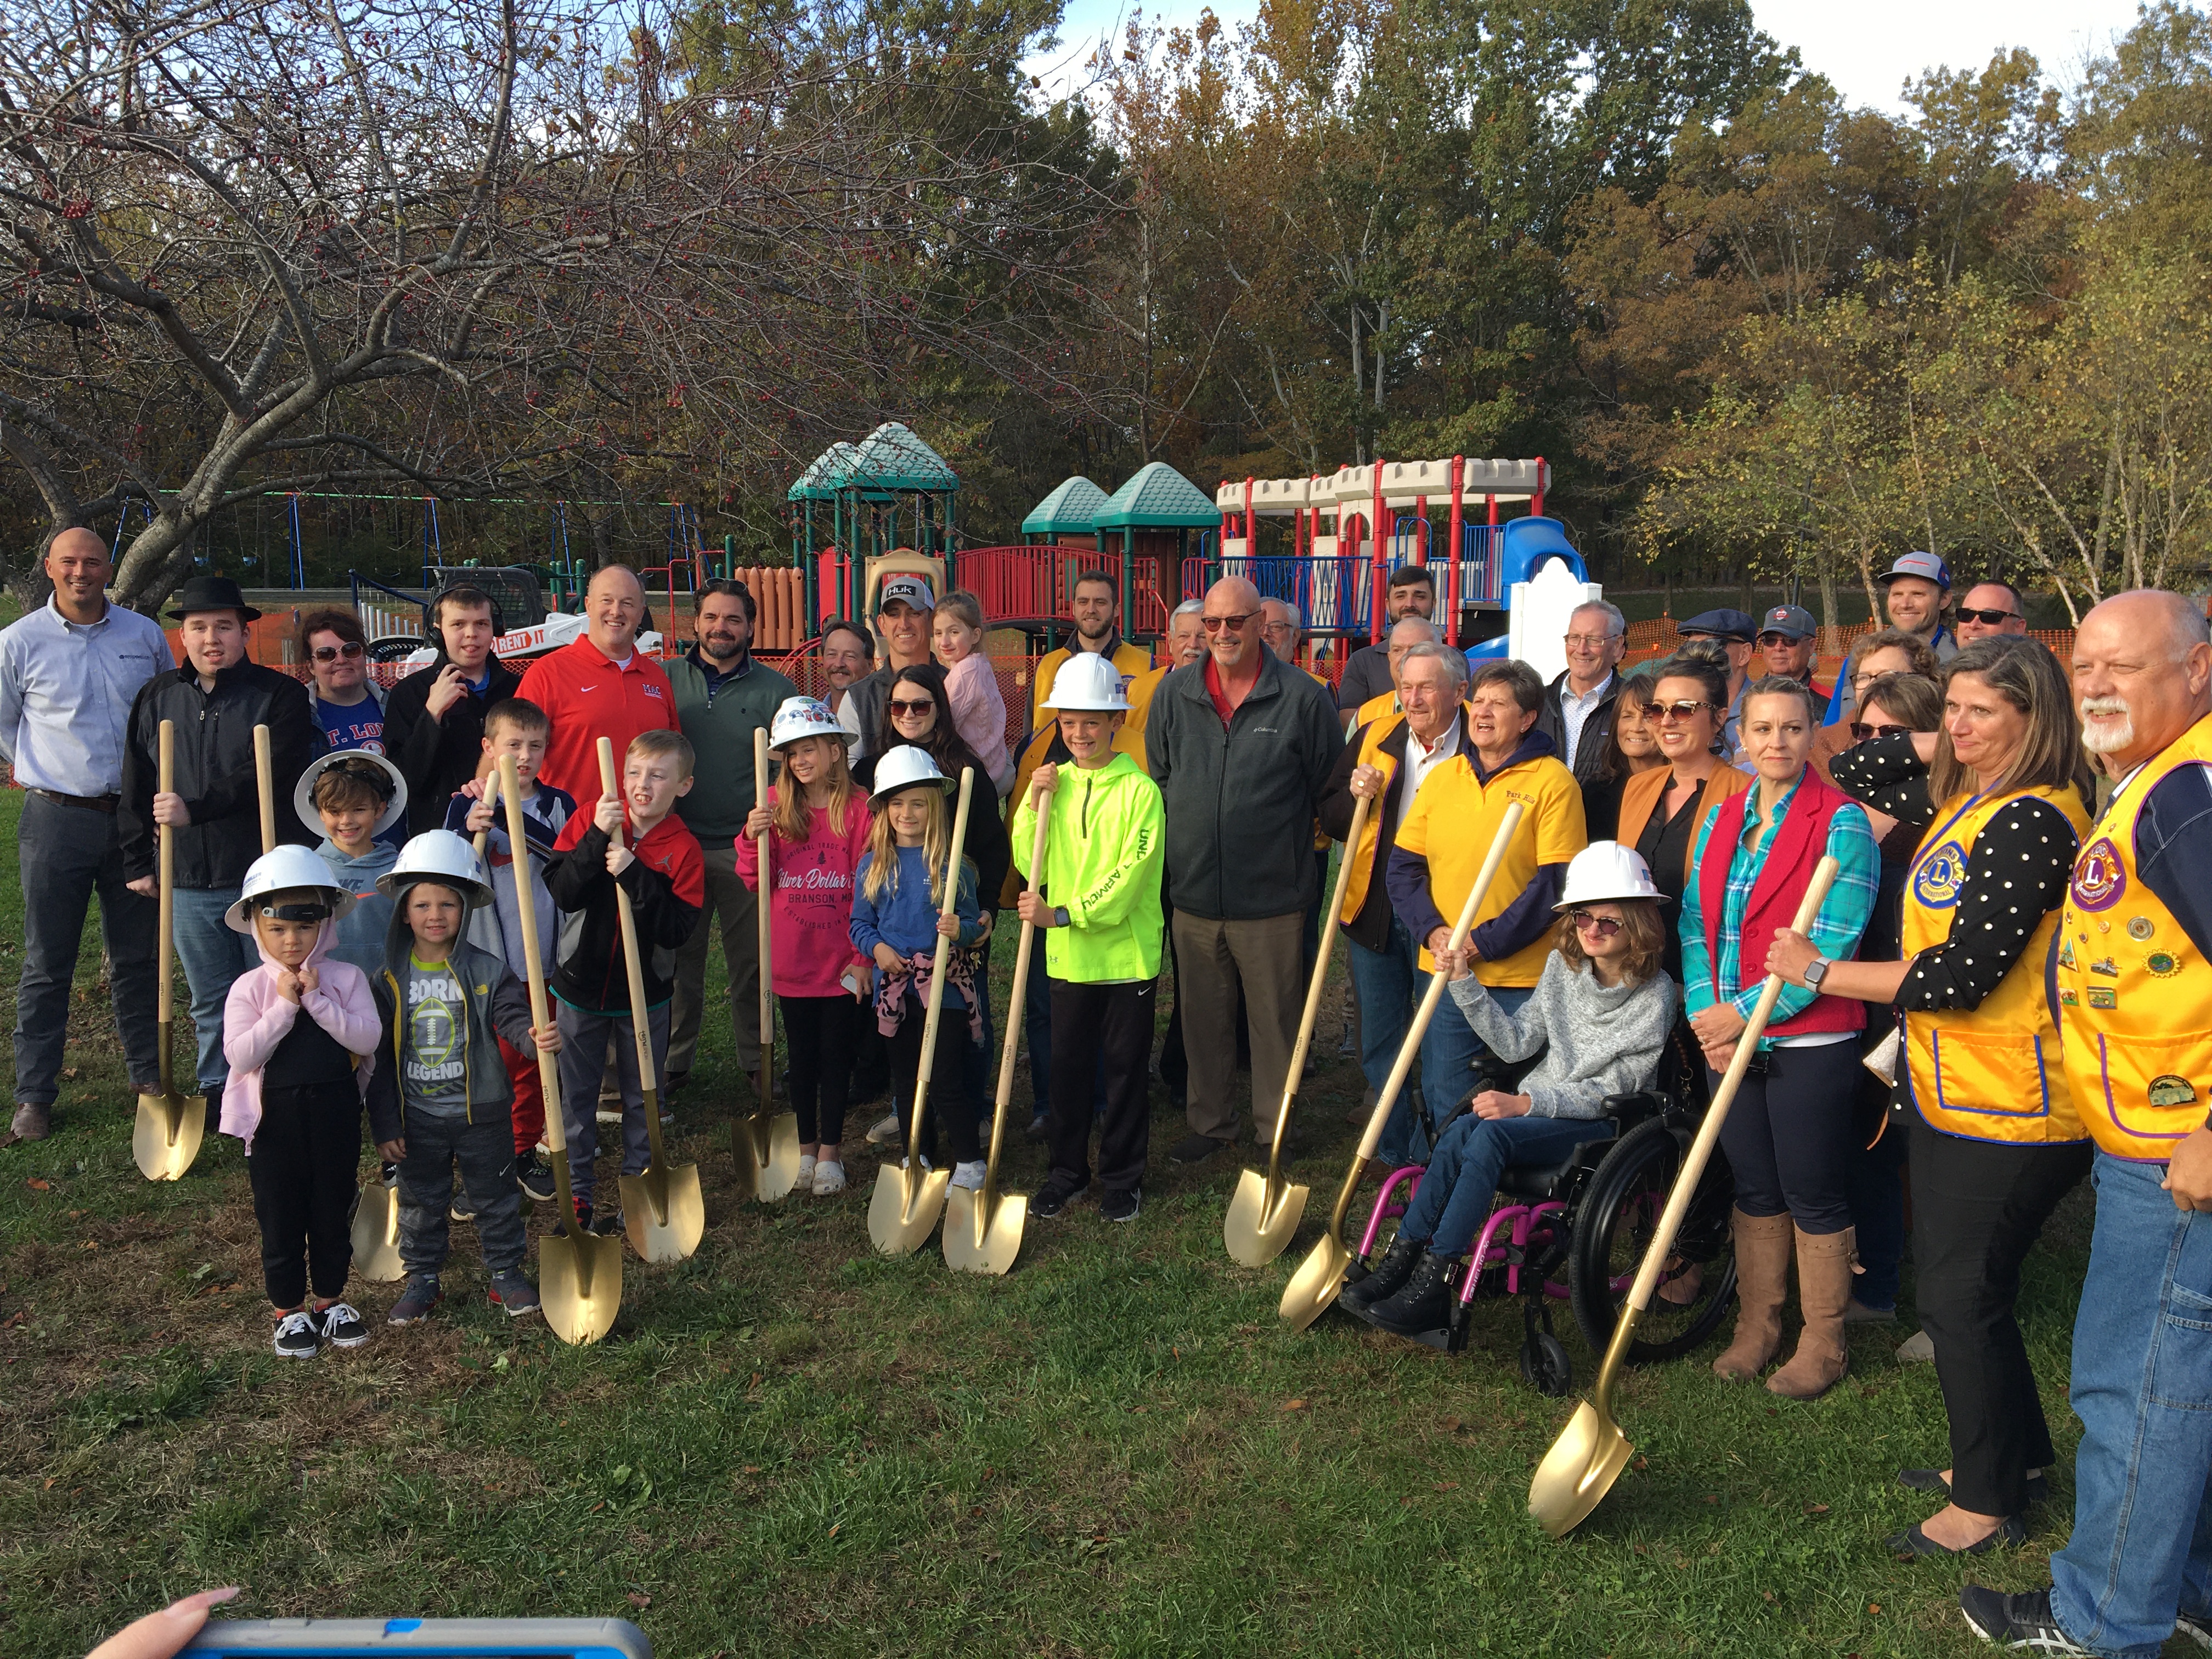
(1060, 916)
(1815, 971)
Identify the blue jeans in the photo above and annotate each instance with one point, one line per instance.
(1454, 1200)
(214, 957)
(1388, 982)
(2141, 1547)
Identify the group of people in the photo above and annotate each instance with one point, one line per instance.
(2008, 985)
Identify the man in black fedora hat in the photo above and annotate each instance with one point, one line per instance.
(215, 697)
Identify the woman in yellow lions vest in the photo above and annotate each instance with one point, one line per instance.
(1996, 1142)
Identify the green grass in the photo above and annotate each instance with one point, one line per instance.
(790, 1443)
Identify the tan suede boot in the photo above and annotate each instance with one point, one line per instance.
(1824, 1290)
(1762, 1280)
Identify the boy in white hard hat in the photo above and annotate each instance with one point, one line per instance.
(440, 1095)
(292, 1096)
(1100, 908)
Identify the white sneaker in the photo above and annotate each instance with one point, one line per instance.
(828, 1178)
(807, 1165)
(970, 1174)
(888, 1130)
(610, 1115)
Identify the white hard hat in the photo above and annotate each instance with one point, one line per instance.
(303, 797)
(1604, 870)
(904, 767)
(287, 869)
(1088, 682)
(804, 717)
(442, 856)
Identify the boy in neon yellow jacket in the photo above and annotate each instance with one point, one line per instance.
(1100, 910)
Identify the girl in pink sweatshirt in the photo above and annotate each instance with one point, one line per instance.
(295, 1094)
(979, 712)
(817, 823)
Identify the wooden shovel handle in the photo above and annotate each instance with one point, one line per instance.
(762, 849)
(166, 904)
(264, 778)
(950, 906)
(1007, 1042)
(549, 1068)
(483, 836)
(1315, 985)
(634, 967)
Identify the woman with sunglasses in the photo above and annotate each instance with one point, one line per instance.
(347, 705)
(1632, 746)
(1789, 1136)
(1996, 1138)
(1600, 1016)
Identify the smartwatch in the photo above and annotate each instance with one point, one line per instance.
(1060, 916)
(1815, 971)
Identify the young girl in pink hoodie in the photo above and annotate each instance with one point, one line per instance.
(294, 1095)
(817, 822)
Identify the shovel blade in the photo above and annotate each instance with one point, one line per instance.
(376, 1234)
(775, 1153)
(664, 1212)
(903, 1211)
(580, 1283)
(1578, 1471)
(1316, 1282)
(745, 1160)
(166, 1137)
(980, 1239)
(1254, 1231)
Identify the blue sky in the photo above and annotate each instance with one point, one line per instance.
(1868, 49)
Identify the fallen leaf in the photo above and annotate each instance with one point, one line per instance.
(1816, 1509)
(1447, 1485)
(752, 1468)
(1451, 1425)
(1642, 1463)
(1294, 1405)
(40, 1184)
(835, 1530)
(639, 1600)
(1712, 1497)
(1873, 1607)
(68, 1073)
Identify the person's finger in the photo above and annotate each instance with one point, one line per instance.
(158, 1635)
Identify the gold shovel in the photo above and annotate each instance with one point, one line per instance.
(902, 1211)
(166, 1137)
(1264, 1211)
(579, 1273)
(662, 1211)
(765, 1145)
(1321, 1275)
(982, 1231)
(376, 1217)
(1591, 1451)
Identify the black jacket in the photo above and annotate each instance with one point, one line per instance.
(1552, 722)
(1240, 802)
(436, 758)
(1371, 927)
(214, 769)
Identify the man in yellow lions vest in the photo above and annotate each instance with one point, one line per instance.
(2131, 981)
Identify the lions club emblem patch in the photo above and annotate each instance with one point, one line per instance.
(2171, 1091)
(2099, 876)
(1936, 884)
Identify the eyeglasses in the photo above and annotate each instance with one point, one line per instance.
(919, 706)
(1274, 630)
(1234, 624)
(1659, 713)
(1988, 618)
(1590, 641)
(332, 653)
(1861, 730)
(1766, 640)
(1603, 926)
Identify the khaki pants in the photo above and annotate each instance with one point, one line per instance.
(732, 903)
(1214, 958)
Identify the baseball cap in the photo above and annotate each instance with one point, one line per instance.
(1792, 621)
(1926, 566)
(913, 589)
(1722, 624)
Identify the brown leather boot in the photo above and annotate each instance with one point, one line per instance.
(1762, 1280)
(1824, 1290)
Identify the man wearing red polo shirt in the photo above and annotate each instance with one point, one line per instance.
(599, 686)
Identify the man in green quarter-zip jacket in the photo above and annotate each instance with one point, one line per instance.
(1099, 904)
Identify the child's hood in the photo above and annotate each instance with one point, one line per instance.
(399, 938)
(325, 936)
(364, 870)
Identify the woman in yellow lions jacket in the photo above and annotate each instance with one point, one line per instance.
(1996, 1142)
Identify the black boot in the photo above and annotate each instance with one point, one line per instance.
(1386, 1276)
(1423, 1304)
(214, 1097)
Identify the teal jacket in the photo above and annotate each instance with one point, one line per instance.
(720, 724)
(1104, 853)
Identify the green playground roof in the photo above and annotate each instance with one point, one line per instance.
(1071, 507)
(823, 474)
(892, 457)
(1157, 497)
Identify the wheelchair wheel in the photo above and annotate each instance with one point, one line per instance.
(1544, 1366)
(1615, 1222)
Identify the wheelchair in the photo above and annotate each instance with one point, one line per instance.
(1577, 1230)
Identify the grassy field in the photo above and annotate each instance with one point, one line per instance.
(790, 1443)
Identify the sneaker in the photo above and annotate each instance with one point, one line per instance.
(1422, 1303)
(460, 1209)
(416, 1301)
(2024, 1620)
(512, 1292)
(807, 1163)
(1053, 1197)
(1123, 1205)
(606, 1225)
(884, 1129)
(610, 1115)
(1196, 1148)
(970, 1174)
(1919, 1348)
(534, 1177)
(32, 1122)
(2197, 1626)
(388, 1174)
(297, 1337)
(1387, 1278)
(343, 1326)
(1040, 1129)
(829, 1179)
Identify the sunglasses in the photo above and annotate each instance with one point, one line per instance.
(1861, 730)
(1988, 618)
(1659, 712)
(1603, 926)
(332, 653)
(1234, 624)
(919, 706)
(1766, 640)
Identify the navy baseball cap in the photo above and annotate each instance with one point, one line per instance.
(1792, 622)
(1722, 624)
(1926, 566)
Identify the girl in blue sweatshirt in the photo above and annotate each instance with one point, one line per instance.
(897, 894)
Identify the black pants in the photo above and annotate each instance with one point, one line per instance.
(1091, 1023)
(949, 1102)
(820, 1035)
(1978, 1206)
(301, 1168)
(1175, 1063)
(1788, 1135)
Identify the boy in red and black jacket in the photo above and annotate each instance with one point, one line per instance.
(658, 864)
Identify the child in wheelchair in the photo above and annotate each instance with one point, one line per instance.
(1600, 1015)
